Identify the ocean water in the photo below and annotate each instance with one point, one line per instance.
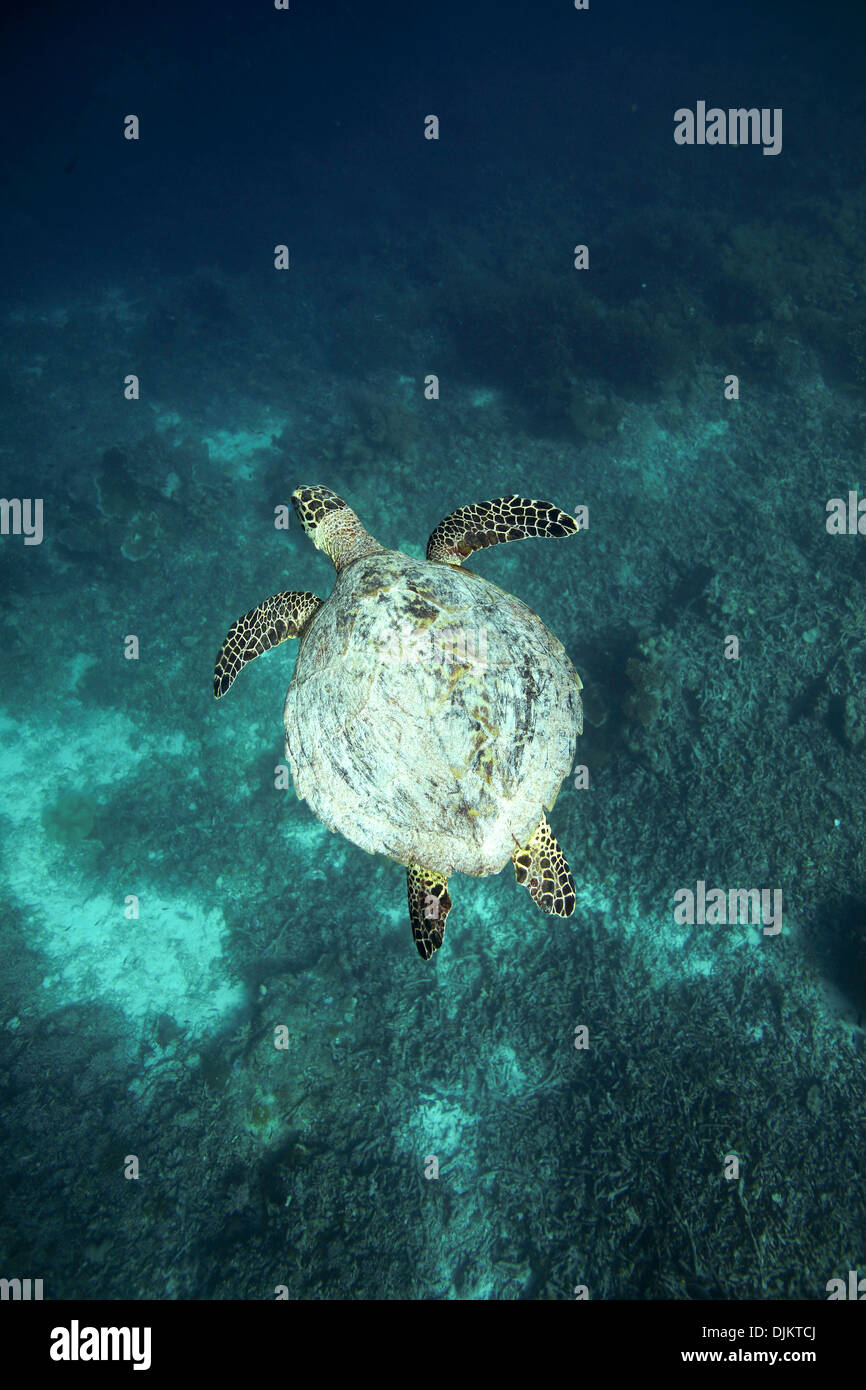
(643, 1101)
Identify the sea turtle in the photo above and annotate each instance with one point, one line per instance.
(431, 716)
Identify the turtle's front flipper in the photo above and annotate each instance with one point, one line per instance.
(279, 617)
(429, 905)
(489, 523)
(541, 867)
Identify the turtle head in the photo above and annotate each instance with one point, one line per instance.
(313, 504)
(332, 526)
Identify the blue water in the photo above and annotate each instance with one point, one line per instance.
(623, 1102)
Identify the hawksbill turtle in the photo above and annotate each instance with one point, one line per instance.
(431, 716)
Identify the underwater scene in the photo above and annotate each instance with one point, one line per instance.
(473, 399)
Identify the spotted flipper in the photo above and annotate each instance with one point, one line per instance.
(429, 905)
(489, 523)
(278, 617)
(542, 868)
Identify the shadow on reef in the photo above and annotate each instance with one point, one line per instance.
(836, 946)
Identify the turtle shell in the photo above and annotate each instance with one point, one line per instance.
(431, 716)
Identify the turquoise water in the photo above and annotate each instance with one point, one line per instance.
(647, 1107)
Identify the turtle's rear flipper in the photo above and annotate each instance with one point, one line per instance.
(490, 523)
(542, 867)
(429, 905)
(281, 616)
